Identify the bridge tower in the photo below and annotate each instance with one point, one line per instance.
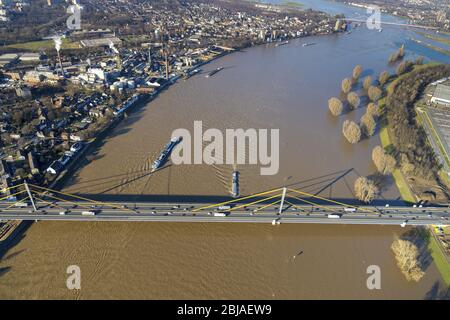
(282, 201)
(27, 188)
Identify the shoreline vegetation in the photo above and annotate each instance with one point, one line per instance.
(404, 151)
(439, 257)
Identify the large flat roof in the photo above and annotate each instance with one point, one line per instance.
(100, 42)
(442, 92)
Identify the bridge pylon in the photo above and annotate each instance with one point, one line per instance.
(283, 196)
(30, 195)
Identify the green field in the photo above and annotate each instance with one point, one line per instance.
(442, 40)
(402, 185)
(43, 45)
(439, 259)
(432, 47)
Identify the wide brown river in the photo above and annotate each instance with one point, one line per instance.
(286, 88)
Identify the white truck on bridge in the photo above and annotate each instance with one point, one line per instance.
(89, 213)
(334, 216)
(221, 214)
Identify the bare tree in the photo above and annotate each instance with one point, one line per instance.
(398, 55)
(407, 257)
(367, 82)
(403, 67)
(351, 131)
(384, 77)
(353, 99)
(357, 72)
(365, 189)
(378, 158)
(372, 109)
(346, 85)
(419, 60)
(374, 93)
(368, 124)
(335, 105)
(385, 163)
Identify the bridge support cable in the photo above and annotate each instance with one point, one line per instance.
(312, 203)
(81, 198)
(13, 195)
(236, 200)
(45, 195)
(266, 206)
(48, 203)
(12, 187)
(332, 201)
(295, 206)
(255, 202)
(21, 201)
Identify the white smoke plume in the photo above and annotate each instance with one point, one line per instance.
(113, 48)
(58, 43)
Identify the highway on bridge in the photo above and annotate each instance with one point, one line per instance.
(253, 213)
(282, 205)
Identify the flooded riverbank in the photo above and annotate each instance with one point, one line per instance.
(202, 261)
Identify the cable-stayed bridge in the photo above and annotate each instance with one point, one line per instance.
(282, 205)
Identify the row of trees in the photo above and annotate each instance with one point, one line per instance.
(410, 139)
(398, 55)
(352, 131)
(365, 189)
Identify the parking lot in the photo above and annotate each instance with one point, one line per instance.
(441, 123)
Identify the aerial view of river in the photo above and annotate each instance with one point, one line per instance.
(267, 87)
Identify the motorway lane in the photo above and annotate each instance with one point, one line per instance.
(165, 212)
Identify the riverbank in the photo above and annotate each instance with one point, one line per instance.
(93, 145)
(436, 251)
(432, 47)
(439, 257)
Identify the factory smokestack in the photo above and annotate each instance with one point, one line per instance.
(58, 44)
